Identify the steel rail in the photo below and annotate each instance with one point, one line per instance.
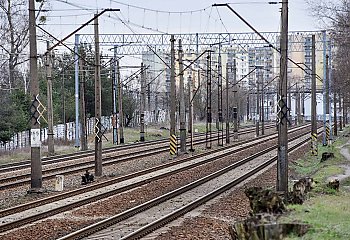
(180, 212)
(73, 205)
(89, 153)
(18, 180)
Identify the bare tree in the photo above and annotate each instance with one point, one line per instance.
(335, 17)
(13, 37)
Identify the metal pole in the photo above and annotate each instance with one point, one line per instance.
(120, 115)
(248, 106)
(83, 137)
(324, 139)
(114, 97)
(182, 102)
(282, 162)
(35, 142)
(340, 113)
(227, 107)
(173, 141)
(329, 65)
(335, 114)
(289, 104)
(51, 147)
(156, 107)
(328, 115)
(142, 107)
(257, 118)
(298, 105)
(98, 125)
(76, 71)
(235, 101)
(149, 97)
(63, 90)
(209, 119)
(344, 111)
(220, 120)
(190, 114)
(262, 113)
(303, 105)
(314, 147)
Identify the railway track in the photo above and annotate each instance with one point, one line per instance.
(73, 199)
(90, 153)
(139, 221)
(22, 179)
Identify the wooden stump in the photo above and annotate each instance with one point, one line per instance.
(256, 229)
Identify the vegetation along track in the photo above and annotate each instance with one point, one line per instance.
(22, 179)
(109, 188)
(170, 206)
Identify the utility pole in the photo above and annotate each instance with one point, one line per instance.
(282, 162)
(262, 112)
(289, 104)
(182, 103)
(173, 139)
(190, 114)
(248, 106)
(114, 98)
(83, 137)
(63, 90)
(335, 129)
(51, 147)
(76, 79)
(156, 107)
(297, 100)
(235, 102)
(303, 105)
(149, 96)
(220, 121)
(324, 89)
(329, 67)
(344, 111)
(328, 115)
(314, 147)
(209, 119)
(120, 115)
(143, 101)
(98, 125)
(340, 113)
(257, 118)
(227, 107)
(35, 142)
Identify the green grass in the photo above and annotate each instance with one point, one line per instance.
(346, 182)
(329, 216)
(14, 156)
(312, 165)
(201, 127)
(326, 210)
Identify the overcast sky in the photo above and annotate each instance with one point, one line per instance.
(170, 16)
(67, 15)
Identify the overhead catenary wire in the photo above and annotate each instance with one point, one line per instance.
(161, 11)
(258, 33)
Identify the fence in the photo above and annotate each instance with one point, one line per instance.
(66, 132)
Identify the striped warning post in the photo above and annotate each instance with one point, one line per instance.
(327, 132)
(173, 144)
(314, 150)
